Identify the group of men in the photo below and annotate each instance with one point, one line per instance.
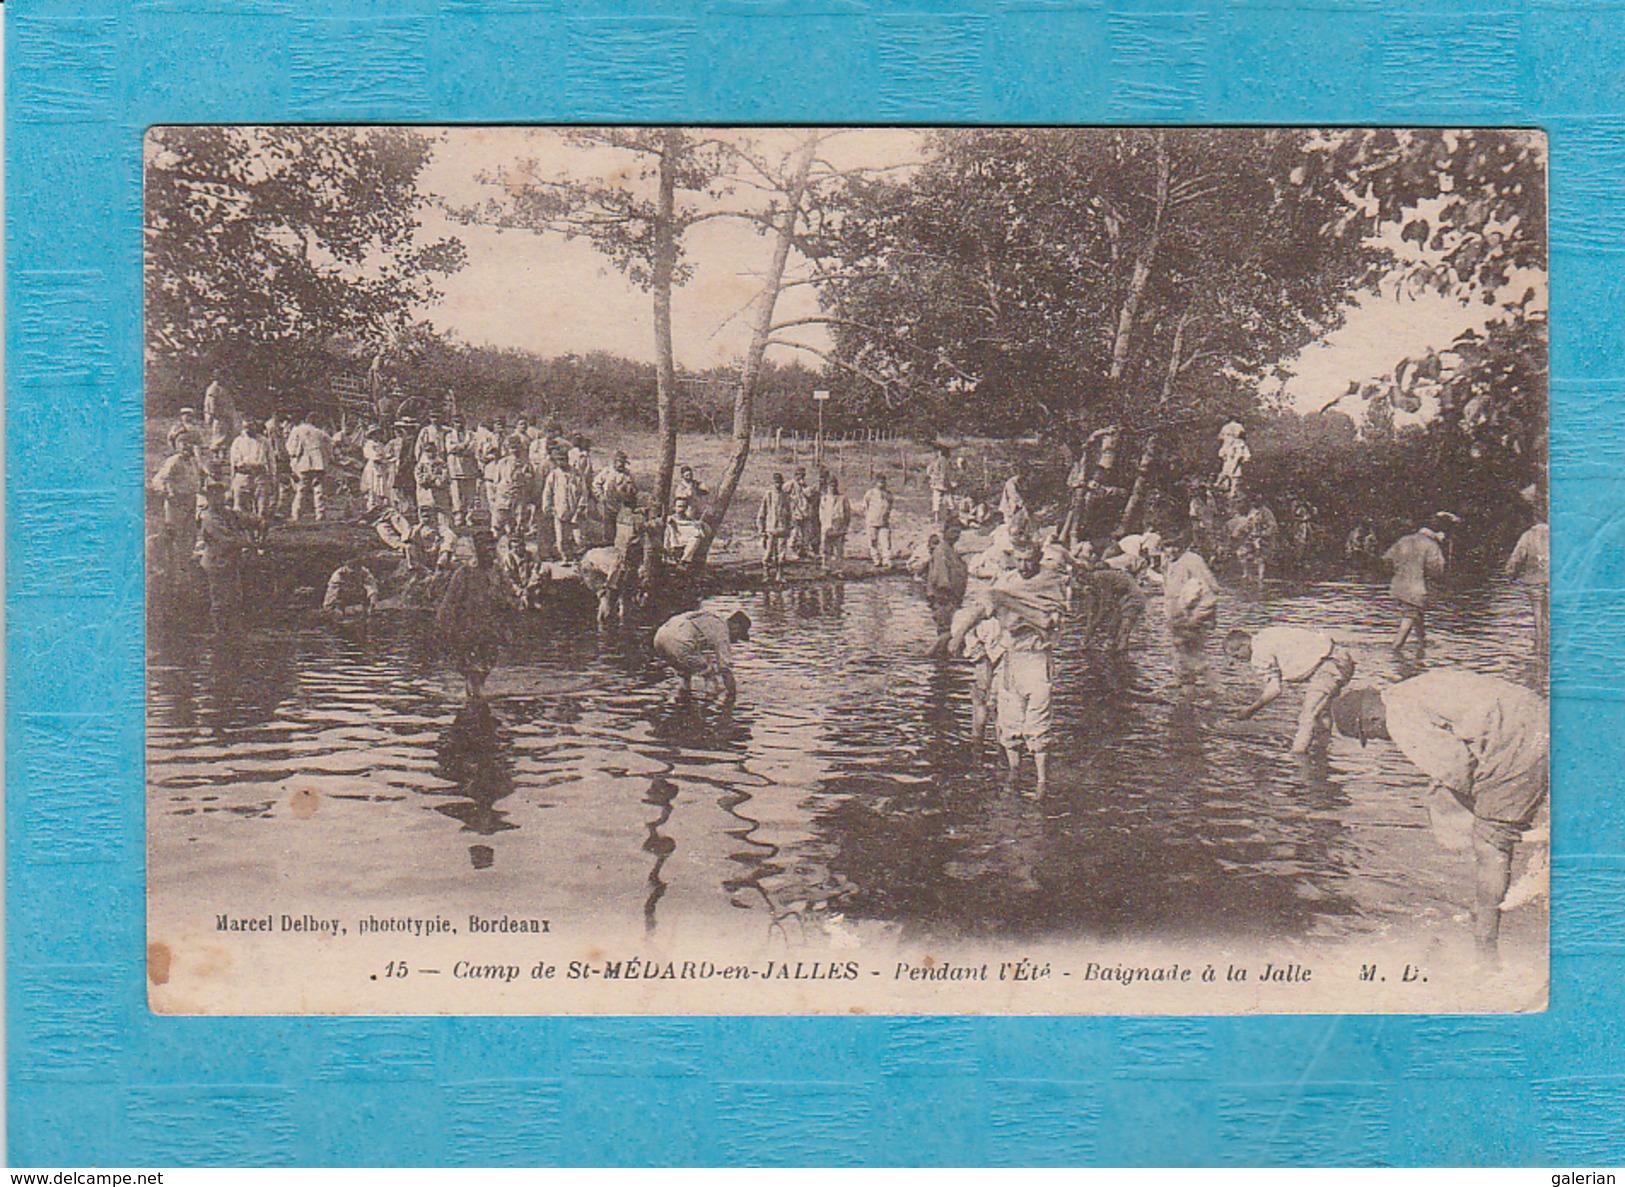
(1482, 741)
(810, 520)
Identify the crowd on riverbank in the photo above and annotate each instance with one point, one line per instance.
(483, 518)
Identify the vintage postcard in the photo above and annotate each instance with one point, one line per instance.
(692, 570)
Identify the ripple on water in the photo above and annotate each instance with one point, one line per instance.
(842, 781)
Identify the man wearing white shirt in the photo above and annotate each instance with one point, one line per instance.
(308, 450)
(1295, 655)
(251, 484)
(1484, 744)
(463, 471)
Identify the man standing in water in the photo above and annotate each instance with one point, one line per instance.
(697, 643)
(1416, 559)
(1295, 655)
(1028, 601)
(1484, 743)
(469, 617)
(221, 545)
(946, 576)
(1190, 599)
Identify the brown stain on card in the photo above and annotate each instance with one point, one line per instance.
(304, 803)
(158, 960)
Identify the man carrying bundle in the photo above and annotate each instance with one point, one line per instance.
(1028, 602)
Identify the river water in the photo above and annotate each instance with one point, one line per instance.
(840, 789)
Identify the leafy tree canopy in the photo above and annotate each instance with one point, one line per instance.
(264, 245)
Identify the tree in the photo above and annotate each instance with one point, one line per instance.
(782, 220)
(1468, 211)
(262, 244)
(1092, 279)
(637, 216)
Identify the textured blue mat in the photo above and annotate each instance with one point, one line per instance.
(94, 1078)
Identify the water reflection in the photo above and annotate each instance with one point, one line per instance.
(842, 783)
(475, 755)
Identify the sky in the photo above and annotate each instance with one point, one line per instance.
(550, 295)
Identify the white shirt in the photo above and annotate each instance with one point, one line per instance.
(249, 451)
(307, 448)
(1293, 651)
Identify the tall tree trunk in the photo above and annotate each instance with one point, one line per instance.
(665, 265)
(1148, 455)
(784, 227)
(1100, 481)
(1136, 496)
(1145, 260)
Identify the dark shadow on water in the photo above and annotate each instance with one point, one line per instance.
(662, 794)
(475, 754)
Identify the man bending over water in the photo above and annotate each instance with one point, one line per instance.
(1483, 742)
(700, 644)
(1295, 655)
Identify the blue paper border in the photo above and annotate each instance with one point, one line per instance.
(94, 1078)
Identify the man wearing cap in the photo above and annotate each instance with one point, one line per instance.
(511, 484)
(616, 490)
(185, 431)
(431, 433)
(803, 516)
(698, 643)
(1294, 655)
(688, 489)
(179, 482)
(463, 472)
(774, 523)
(877, 507)
(1482, 740)
(563, 501)
(432, 477)
(834, 518)
(1416, 559)
(308, 450)
(426, 542)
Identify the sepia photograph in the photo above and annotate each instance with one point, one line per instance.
(956, 570)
